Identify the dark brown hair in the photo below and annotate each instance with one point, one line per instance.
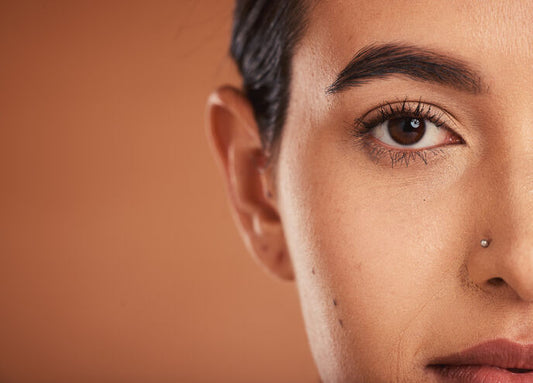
(265, 33)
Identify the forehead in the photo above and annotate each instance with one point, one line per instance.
(471, 29)
(505, 20)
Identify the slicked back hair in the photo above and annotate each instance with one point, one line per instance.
(265, 33)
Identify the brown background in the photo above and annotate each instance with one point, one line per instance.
(119, 260)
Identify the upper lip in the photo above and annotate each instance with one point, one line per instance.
(500, 353)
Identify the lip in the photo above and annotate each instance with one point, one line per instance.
(498, 360)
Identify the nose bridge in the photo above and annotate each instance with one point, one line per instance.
(517, 168)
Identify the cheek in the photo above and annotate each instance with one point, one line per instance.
(372, 255)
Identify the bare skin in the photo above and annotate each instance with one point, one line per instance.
(383, 240)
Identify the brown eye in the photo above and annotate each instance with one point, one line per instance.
(406, 131)
(402, 127)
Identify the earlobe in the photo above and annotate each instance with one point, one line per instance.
(235, 140)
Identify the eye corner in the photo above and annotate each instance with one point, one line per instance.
(454, 138)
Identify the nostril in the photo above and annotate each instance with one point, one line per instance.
(496, 281)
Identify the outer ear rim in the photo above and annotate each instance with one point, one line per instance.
(234, 100)
(274, 259)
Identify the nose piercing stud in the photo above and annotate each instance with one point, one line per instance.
(485, 243)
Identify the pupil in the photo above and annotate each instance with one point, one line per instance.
(406, 131)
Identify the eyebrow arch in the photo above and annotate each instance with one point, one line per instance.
(378, 61)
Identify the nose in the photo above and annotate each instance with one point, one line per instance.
(517, 269)
(504, 269)
(506, 265)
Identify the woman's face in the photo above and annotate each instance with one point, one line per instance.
(387, 184)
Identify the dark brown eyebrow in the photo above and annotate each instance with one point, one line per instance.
(384, 60)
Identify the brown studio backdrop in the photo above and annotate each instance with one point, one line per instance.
(119, 260)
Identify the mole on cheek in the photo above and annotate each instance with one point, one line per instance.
(313, 271)
(335, 303)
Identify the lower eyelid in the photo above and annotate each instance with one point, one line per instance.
(407, 149)
(381, 154)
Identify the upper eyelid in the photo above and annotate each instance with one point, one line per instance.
(451, 118)
(386, 104)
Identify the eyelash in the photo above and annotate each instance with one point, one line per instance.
(363, 126)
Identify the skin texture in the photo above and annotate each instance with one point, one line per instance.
(387, 259)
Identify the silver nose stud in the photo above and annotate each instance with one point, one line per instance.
(485, 243)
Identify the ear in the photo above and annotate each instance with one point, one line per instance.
(234, 138)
